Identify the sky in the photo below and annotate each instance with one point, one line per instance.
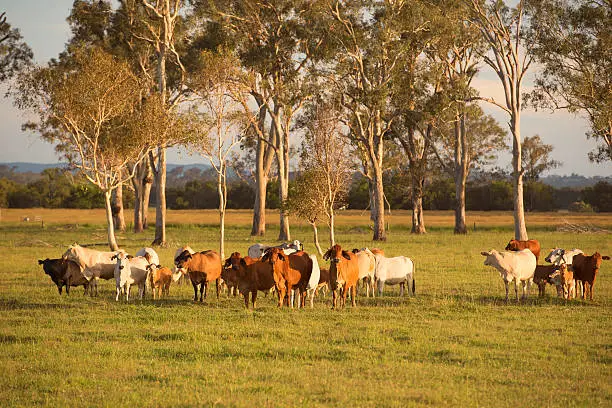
(43, 26)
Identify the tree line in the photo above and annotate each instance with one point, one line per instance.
(380, 87)
(58, 188)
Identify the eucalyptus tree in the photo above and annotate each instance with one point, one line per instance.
(157, 23)
(15, 54)
(85, 106)
(510, 58)
(219, 85)
(276, 45)
(367, 59)
(572, 42)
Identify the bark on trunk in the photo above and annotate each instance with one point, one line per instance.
(332, 222)
(418, 221)
(117, 208)
(378, 203)
(160, 192)
(461, 172)
(112, 241)
(146, 196)
(264, 157)
(315, 232)
(282, 159)
(520, 229)
(221, 189)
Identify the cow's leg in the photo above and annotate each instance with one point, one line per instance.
(195, 291)
(203, 290)
(381, 284)
(506, 283)
(253, 297)
(217, 285)
(354, 289)
(402, 289)
(516, 289)
(333, 299)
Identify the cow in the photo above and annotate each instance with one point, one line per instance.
(64, 273)
(541, 277)
(130, 270)
(586, 269)
(533, 245)
(178, 273)
(313, 281)
(367, 266)
(323, 285)
(160, 278)
(253, 275)
(291, 272)
(94, 264)
(559, 256)
(229, 274)
(343, 274)
(517, 266)
(563, 277)
(393, 271)
(150, 254)
(202, 268)
(258, 250)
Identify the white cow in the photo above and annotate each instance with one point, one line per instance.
(313, 282)
(178, 272)
(367, 266)
(153, 257)
(130, 271)
(394, 271)
(94, 264)
(517, 266)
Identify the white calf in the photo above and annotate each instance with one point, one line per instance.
(367, 266)
(130, 271)
(514, 266)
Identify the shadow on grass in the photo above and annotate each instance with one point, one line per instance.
(14, 304)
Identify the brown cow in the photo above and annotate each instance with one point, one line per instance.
(160, 278)
(229, 274)
(585, 270)
(541, 277)
(343, 273)
(323, 282)
(202, 268)
(64, 273)
(291, 272)
(533, 245)
(253, 275)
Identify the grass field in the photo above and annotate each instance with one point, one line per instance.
(455, 344)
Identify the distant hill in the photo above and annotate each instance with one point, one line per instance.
(23, 167)
(573, 181)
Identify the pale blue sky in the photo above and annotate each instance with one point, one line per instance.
(43, 25)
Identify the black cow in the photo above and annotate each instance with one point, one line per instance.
(64, 273)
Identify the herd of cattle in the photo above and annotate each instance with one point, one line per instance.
(296, 276)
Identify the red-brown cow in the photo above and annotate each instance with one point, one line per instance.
(343, 273)
(291, 272)
(541, 277)
(202, 268)
(585, 270)
(253, 275)
(229, 274)
(323, 281)
(533, 245)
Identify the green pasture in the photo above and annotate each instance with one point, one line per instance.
(457, 343)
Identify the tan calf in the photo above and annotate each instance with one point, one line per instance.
(160, 279)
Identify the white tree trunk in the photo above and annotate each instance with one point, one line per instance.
(112, 241)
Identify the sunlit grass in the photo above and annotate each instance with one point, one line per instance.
(457, 343)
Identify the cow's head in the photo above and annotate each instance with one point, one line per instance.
(273, 255)
(182, 259)
(122, 258)
(513, 245)
(490, 257)
(335, 254)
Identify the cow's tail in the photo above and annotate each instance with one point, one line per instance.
(413, 284)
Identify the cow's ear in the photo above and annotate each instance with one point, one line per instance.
(281, 256)
(355, 250)
(484, 253)
(129, 257)
(346, 255)
(158, 266)
(114, 257)
(243, 262)
(40, 262)
(327, 254)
